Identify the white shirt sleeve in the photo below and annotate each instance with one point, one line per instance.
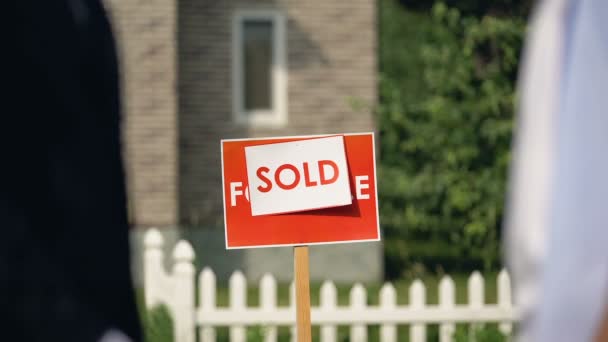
(575, 277)
(533, 154)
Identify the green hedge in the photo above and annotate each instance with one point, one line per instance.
(445, 119)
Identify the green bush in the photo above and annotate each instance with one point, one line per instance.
(157, 324)
(483, 333)
(445, 118)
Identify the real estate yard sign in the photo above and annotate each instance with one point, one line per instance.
(299, 191)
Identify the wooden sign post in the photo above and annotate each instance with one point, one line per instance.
(302, 279)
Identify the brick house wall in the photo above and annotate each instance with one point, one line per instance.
(175, 57)
(146, 38)
(331, 59)
(177, 91)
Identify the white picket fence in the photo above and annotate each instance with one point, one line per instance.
(177, 291)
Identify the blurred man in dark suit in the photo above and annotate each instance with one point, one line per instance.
(64, 250)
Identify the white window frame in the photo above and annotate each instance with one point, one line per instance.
(277, 115)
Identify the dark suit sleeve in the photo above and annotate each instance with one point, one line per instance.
(62, 204)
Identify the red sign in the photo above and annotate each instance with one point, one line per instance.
(355, 222)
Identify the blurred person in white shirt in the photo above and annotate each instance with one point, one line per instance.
(556, 232)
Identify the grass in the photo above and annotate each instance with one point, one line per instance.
(158, 325)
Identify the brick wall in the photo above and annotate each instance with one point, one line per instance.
(331, 58)
(146, 36)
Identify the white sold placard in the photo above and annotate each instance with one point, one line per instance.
(297, 176)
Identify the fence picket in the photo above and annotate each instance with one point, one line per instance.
(504, 299)
(447, 301)
(268, 302)
(476, 299)
(207, 293)
(183, 296)
(238, 302)
(329, 302)
(417, 301)
(388, 300)
(358, 301)
(155, 279)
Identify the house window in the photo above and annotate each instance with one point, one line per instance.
(259, 68)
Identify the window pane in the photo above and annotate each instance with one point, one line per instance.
(257, 40)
